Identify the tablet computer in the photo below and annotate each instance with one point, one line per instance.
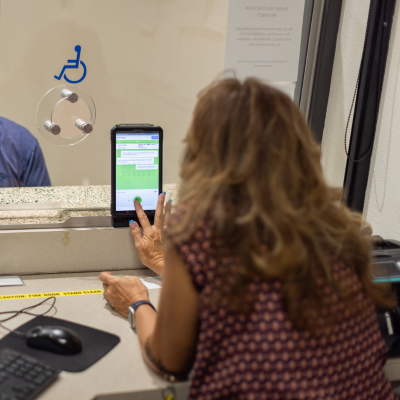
(136, 171)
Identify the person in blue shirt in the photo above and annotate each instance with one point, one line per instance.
(21, 158)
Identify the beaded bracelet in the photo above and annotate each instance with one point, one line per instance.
(166, 374)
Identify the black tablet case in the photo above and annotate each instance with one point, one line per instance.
(95, 345)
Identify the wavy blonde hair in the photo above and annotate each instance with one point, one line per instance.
(252, 168)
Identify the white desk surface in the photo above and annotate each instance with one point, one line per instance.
(122, 369)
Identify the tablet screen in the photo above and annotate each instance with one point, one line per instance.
(137, 170)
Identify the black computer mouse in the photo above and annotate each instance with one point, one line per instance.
(56, 339)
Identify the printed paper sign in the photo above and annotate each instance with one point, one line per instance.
(263, 39)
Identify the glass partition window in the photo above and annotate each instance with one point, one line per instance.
(72, 69)
(140, 62)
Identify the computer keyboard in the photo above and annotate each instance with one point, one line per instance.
(23, 377)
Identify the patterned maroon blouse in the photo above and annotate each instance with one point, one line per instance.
(261, 356)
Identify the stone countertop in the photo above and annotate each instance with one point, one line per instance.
(27, 205)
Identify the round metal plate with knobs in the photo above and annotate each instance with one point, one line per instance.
(66, 115)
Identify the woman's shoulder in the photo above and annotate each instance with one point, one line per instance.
(195, 249)
(181, 209)
(198, 230)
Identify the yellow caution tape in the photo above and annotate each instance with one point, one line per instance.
(50, 294)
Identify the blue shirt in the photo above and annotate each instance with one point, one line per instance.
(21, 159)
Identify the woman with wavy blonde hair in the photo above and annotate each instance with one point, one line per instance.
(267, 286)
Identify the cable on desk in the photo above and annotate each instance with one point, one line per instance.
(26, 311)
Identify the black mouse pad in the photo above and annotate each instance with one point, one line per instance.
(95, 345)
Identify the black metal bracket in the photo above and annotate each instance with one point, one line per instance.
(371, 77)
(324, 66)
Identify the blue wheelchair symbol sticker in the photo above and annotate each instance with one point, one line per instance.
(73, 64)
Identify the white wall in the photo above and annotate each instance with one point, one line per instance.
(382, 204)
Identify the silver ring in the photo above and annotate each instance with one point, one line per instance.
(165, 227)
(104, 296)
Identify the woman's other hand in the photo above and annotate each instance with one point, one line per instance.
(149, 244)
(123, 292)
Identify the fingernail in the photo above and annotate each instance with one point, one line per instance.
(163, 193)
(170, 200)
(131, 221)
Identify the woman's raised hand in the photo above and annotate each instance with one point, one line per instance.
(149, 244)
